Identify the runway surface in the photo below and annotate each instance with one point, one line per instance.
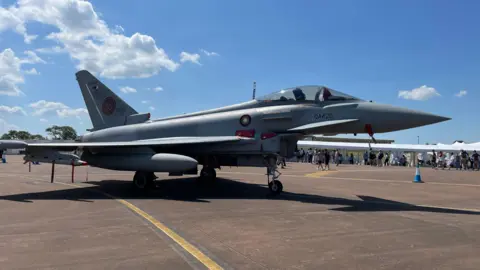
(352, 217)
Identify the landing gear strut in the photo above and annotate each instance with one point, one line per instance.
(274, 184)
(144, 180)
(207, 174)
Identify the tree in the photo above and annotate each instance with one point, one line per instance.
(37, 137)
(62, 132)
(10, 135)
(16, 135)
(21, 135)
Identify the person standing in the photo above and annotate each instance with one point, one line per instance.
(320, 156)
(327, 160)
(380, 159)
(441, 160)
(475, 160)
(464, 157)
(458, 162)
(337, 157)
(372, 158)
(434, 159)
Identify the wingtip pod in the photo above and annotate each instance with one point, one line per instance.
(12, 144)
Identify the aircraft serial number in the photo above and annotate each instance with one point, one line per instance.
(322, 116)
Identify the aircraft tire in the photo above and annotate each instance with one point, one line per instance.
(208, 175)
(143, 180)
(277, 188)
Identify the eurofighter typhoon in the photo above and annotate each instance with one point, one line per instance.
(252, 133)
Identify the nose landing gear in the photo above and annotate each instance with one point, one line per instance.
(369, 130)
(274, 185)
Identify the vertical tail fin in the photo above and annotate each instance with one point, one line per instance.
(106, 109)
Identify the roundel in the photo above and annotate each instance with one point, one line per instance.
(245, 120)
(108, 106)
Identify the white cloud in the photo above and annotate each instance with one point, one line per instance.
(43, 120)
(118, 29)
(11, 20)
(152, 108)
(422, 93)
(145, 101)
(11, 73)
(188, 57)
(12, 110)
(88, 39)
(43, 107)
(63, 113)
(5, 126)
(32, 58)
(207, 53)
(461, 93)
(156, 89)
(32, 71)
(55, 49)
(128, 89)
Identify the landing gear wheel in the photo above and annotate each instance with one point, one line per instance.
(143, 181)
(275, 187)
(208, 174)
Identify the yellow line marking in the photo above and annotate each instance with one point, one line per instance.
(204, 259)
(318, 174)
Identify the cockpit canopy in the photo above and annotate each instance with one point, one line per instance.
(315, 94)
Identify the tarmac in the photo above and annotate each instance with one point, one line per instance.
(351, 217)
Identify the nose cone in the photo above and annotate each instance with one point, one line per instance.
(418, 118)
(390, 118)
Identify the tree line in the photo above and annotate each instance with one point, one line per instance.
(55, 132)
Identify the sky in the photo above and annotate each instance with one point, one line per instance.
(175, 57)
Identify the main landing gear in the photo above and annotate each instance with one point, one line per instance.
(143, 181)
(207, 175)
(274, 184)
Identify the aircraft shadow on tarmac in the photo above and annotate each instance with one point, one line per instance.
(188, 189)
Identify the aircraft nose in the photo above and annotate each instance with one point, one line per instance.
(393, 118)
(419, 118)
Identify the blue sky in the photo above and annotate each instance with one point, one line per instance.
(369, 49)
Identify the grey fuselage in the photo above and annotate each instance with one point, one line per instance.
(266, 117)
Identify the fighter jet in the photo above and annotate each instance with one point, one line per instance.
(253, 133)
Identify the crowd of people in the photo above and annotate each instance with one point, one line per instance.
(323, 158)
(458, 161)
